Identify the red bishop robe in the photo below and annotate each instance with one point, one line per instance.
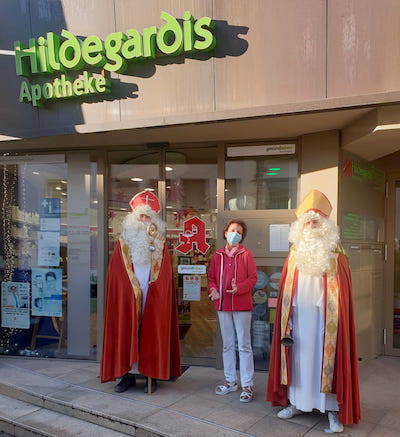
(345, 372)
(152, 339)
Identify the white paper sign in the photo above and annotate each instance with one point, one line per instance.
(15, 305)
(191, 287)
(49, 249)
(50, 224)
(278, 238)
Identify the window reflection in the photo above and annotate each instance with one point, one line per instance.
(262, 182)
(396, 296)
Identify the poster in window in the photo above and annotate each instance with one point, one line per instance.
(191, 287)
(50, 214)
(15, 305)
(47, 292)
(49, 249)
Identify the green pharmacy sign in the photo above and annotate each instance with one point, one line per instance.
(58, 54)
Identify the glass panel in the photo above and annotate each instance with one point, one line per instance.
(396, 302)
(265, 295)
(80, 317)
(93, 258)
(191, 193)
(33, 260)
(261, 182)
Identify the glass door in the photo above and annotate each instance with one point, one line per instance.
(184, 179)
(191, 210)
(392, 318)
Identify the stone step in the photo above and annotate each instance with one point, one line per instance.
(19, 418)
(79, 408)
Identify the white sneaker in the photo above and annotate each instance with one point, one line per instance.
(334, 424)
(289, 412)
(225, 388)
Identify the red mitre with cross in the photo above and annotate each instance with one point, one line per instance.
(145, 198)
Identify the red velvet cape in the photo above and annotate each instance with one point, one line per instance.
(156, 342)
(345, 380)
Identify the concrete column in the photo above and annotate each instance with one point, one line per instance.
(319, 166)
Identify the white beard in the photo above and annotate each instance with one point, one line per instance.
(135, 234)
(314, 248)
(139, 243)
(312, 253)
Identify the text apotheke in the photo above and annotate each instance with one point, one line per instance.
(56, 53)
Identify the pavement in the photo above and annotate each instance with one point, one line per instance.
(50, 397)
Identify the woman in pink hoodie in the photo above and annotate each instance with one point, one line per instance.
(231, 277)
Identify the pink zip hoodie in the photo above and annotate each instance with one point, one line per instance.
(223, 269)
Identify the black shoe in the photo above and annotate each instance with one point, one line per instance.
(153, 385)
(127, 380)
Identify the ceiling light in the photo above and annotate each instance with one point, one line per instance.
(58, 188)
(387, 127)
(168, 168)
(136, 179)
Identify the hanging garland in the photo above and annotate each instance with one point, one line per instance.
(9, 254)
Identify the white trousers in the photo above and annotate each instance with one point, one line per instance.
(239, 321)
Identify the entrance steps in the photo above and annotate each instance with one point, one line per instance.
(19, 418)
(24, 413)
(50, 397)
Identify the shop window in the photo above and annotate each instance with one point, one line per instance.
(48, 217)
(260, 182)
(265, 294)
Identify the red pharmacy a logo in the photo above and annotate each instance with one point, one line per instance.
(193, 234)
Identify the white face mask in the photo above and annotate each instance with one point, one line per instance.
(233, 238)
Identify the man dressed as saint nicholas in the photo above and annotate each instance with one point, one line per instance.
(313, 361)
(140, 317)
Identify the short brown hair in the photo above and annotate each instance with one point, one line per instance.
(239, 222)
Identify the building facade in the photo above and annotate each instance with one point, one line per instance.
(225, 110)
